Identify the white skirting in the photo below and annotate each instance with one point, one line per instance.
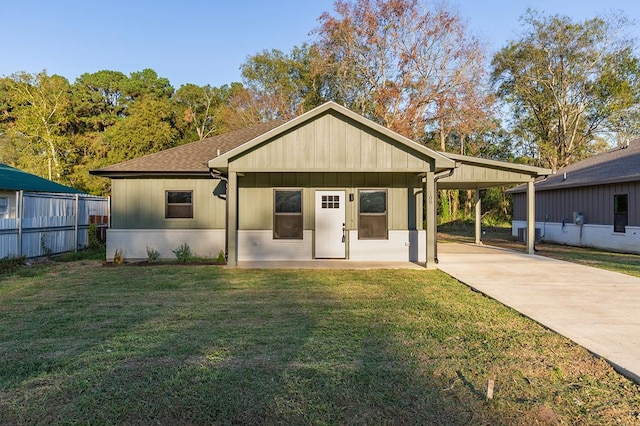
(404, 246)
(260, 245)
(205, 243)
(588, 235)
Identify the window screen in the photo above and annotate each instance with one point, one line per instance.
(287, 214)
(179, 205)
(372, 217)
(620, 212)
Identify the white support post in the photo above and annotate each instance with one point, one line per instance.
(531, 217)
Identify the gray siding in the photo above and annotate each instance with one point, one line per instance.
(595, 203)
(140, 204)
(255, 196)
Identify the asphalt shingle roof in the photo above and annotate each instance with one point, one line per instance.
(189, 158)
(616, 165)
(12, 179)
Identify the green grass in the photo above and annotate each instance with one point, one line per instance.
(83, 343)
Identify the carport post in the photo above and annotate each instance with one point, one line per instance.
(478, 217)
(431, 219)
(232, 221)
(531, 217)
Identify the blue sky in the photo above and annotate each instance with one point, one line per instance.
(205, 42)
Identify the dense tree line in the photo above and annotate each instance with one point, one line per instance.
(409, 65)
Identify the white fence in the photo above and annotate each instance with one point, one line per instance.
(51, 223)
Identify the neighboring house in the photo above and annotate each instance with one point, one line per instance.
(593, 203)
(39, 217)
(327, 184)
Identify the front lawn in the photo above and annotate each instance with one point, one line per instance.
(84, 343)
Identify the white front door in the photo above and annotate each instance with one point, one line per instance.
(330, 220)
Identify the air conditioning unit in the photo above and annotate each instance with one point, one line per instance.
(522, 234)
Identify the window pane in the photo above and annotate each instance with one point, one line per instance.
(620, 204)
(288, 202)
(288, 226)
(179, 205)
(179, 211)
(373, 201)
(179, 197)
(372, 226)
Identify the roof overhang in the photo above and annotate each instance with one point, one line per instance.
(481, 173)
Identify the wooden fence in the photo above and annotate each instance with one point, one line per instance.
(45, 224)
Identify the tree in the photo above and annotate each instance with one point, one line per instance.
(203, 108)
(284, 85)
(416, 71)
(149, 127)
(564, 82)
(99, 100)
(40, 110)
(147, 82)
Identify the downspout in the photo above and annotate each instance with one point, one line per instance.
(436, 178)
(218, 175)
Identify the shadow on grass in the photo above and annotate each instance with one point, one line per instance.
(203, 345)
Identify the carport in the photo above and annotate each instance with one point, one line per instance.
(473, 173)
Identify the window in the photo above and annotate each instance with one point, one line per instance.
(4, 207)
(620, 212)
(179, 205)
(287, 214)
(372, 217)
(330, 201)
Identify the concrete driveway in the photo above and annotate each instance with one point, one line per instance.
(598, 309)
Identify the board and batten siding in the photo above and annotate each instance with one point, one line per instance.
(255, 197)
(140, 204)
(330, 143)
(473, 176)
(594, 202)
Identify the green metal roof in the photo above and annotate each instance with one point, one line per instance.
(12, 179)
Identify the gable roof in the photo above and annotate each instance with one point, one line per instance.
(190, 158)
(13, 179)
(620, 164)
(221, 162)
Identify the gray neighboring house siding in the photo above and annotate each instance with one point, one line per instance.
(576, 205)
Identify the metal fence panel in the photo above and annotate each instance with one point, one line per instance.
(51, 224)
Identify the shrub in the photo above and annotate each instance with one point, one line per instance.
(152, 255)
(11, 264)
(46, 250)
(94, 241)
(183, 253)
(221, 257)
(117, 257)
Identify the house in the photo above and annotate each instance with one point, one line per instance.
(38, 216)
(328, 184)
(594, 202)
